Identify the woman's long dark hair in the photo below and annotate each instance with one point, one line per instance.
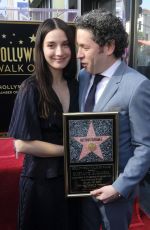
(43, 74)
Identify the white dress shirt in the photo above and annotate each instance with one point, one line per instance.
(103, 83)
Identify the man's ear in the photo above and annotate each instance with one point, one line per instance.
(110, 47)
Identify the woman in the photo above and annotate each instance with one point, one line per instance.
(36, 123)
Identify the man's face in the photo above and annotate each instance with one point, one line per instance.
(91, 55)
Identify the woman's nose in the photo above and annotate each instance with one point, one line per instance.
(59, 50)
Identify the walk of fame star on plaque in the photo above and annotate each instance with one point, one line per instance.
(91, 143)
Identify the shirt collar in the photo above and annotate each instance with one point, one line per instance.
(111, 70)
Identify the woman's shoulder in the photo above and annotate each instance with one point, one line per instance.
(29, 84)
(28, 89)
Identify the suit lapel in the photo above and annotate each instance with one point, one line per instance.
(83, 90)
(111, 88)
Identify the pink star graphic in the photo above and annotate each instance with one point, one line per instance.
(91, 143)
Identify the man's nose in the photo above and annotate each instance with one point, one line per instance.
(79, 53)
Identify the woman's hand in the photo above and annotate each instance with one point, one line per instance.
(17, 147)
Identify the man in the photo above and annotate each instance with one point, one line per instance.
(101, 40)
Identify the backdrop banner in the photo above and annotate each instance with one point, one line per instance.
(17, 40)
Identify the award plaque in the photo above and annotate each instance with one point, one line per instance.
(91, 151)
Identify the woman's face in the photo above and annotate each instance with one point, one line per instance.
(56, 49)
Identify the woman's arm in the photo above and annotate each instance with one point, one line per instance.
(39, 148)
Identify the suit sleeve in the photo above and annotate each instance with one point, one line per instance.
(139, 120)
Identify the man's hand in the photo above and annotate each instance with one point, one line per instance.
(105, 194)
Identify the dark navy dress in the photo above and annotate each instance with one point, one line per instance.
(42, 203)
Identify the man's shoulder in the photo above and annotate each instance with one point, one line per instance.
(132, 75)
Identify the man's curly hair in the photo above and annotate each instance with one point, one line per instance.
(105, 28)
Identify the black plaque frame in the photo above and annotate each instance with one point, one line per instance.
(91, 151)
